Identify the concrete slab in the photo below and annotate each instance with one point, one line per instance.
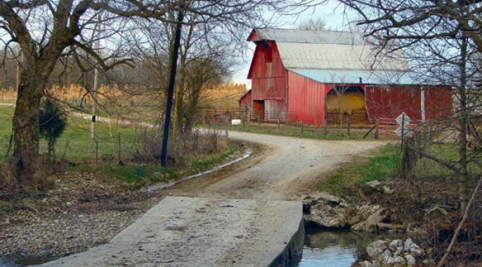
(203, 232)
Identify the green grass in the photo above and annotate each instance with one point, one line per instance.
(206, 162)
(382, 165)
(139, 176)
(75, 142)
(447, 152)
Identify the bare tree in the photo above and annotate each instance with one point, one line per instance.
(43, 29)
(313, 24)
(440, 38)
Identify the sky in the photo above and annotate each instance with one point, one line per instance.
(335, 15)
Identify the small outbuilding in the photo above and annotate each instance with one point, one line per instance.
(331, 76)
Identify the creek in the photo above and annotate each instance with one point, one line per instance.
(333, 248)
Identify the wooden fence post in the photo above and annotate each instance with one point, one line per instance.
(119, 148)
(278, 122)
(227, 126)
(376, 128)
(326, 128)
(348, 127)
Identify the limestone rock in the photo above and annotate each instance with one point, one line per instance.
(324, 196)
(373, 184)
(328, 216)
(361, 213)
(376, 248)
(394, 253)
(371, 221)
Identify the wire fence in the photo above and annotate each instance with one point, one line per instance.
(286, 123)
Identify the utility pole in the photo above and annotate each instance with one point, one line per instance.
(96, 84)
(172, 79)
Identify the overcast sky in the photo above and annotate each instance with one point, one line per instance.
(336, 17)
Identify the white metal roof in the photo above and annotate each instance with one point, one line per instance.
(365, 77)
(331, 50)
(337, 57)
(311, 37)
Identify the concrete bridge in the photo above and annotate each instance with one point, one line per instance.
(202, 232)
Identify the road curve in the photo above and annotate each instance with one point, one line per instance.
(288, 166)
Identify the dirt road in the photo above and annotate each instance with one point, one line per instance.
(286, 168)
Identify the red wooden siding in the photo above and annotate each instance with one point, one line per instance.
(391, 101)
(245, 101)
(306, 99)
(438, 102)
(268, 79)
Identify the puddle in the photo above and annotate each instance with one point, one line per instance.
(333, 248)
(246, 155)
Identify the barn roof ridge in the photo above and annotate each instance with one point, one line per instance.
(280, 35)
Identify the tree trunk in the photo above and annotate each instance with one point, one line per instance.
(26, 132)
(463, 183)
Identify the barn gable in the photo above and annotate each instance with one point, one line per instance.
(322, 52)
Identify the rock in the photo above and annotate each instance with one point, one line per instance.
(408, 244)
(395, 253)
(416, 251)
(398, 252)
(374, 184)
(391, 227)
(324, 196)
(327, 216)
(361, 213)
(395, 244)
(410, 260)
(376, 248)
(385, 257)
(371, 221)
(396, 261)
(387, 190)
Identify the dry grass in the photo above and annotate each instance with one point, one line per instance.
(8, 95)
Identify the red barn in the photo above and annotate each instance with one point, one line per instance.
(318, 76)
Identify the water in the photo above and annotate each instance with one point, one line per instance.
(325, 248)
(23, 261)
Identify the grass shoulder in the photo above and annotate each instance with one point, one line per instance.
(379, 165)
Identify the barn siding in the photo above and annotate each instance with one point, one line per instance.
(306, 99)
(268, 79)
(438, 102)
(391, 101)
(245, 102)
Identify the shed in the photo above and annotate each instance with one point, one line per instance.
(332, 76)
(245, 101)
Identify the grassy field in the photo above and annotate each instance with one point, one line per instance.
(79, 149)
(75, 142)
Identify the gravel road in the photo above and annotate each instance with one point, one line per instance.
(286, 168)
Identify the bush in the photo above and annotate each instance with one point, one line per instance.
(52, 123)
